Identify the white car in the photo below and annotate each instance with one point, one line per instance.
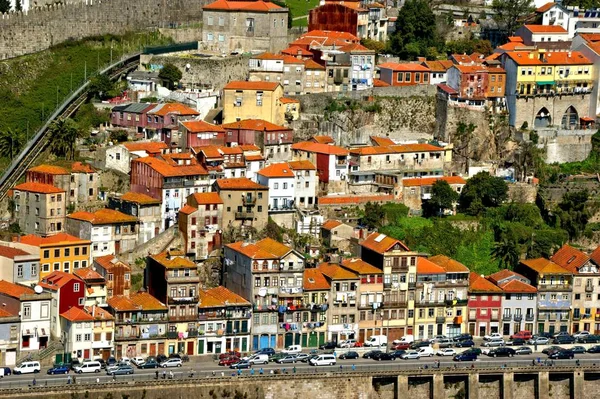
(581, 334)
(174, 362)
(292, 350)
(492, 336)
(27, 367)
(410, 355)
(137, 360)
(349, 343)
(446, 352)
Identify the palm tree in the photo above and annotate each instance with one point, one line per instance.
(63, 138)
(506, 252)
(11, 143)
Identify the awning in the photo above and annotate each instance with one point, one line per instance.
(42, 332)
(548, 82)
(587, 119)
(26, 333)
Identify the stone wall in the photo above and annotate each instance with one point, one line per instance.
(528, 108)
(183, 35)
(39, 29)
(565, 145)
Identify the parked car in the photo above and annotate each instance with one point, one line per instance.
(523, 350)
(265, 351)
(323, 360)
(376, 340)
(301, 356)
(398, 353)
(27, 367)
(385, 356)
(121, 370)
(276, 356)
(466, 356)
(228, 361)
(111, 361)
(349, 355)
(538, 340)
(410, 355)
(149, 364)
(88, 367)
(494, 342)
(463, 337)
(446, 352)
(466, 343)
(474, 350)
(370, 354)
(401, 346)
(174, 362)
(562, 354)
(60, 369)
(516, 342)
(419, 344)
(292, 350)
(243, 364)
(551, 349)
(581, 334)
(561, 334)
(594, 349)
(328, 345)
(445, 342)
(502, 352)
(563, 340)
(589, 339)
(4, 371)
(287, 359)
(348, 343)
(524, 335)
(492, 336)
(308, 359)
(161, 358)
(229, 354)
(137, 360)
(116, 366)
(425, 351)
(578, 349)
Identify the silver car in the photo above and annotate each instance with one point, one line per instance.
(174, 362)
(539, 341)
(495, 342)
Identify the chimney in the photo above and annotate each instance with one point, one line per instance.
(334, 259)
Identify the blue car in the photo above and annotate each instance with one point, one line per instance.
(466, 357)
(59, 369)
(467, 343)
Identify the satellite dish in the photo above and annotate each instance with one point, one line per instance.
(38, 289)
(262, 292)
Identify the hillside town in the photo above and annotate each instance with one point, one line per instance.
(224, 219)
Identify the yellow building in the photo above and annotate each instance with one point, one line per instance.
(103, 330)
(60, 252)
(253, 100)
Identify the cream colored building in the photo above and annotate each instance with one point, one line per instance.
(253, 100)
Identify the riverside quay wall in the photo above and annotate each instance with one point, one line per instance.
(491, 383)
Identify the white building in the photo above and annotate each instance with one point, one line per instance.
(77, 333)
(574, 20)
(118, 157)
(306, 183)
(542, 34)
(280, 180)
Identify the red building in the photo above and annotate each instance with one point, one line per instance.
(485, 304)
(67, 289)
(334, 17)
(131, 115)
(274, 141)
(331, 160)
(406, 74)
(197, 133)
(164, 120)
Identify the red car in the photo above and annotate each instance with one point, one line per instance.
(228, 361)
(522, 334)
(228, 354)
(401, 346)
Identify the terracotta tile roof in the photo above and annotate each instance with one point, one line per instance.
(595, 256)
(481, 284)
(108, 262)
(172, 108)
(57, 239)
(438, 66)
(449, 264)
(503, 275)
(80, 167)
(207, 198)
(428, 181)
(188, 210)
(381, 243)
(146, 301)
(570, 258)
(173, 262)
(545, 28)
(425, 266)
(544, 266)
(493, 56)
(166, 169)
(87, 273)
(353, 199)
(98, 313)
(103, 216)
(75, 314)
(58, 279)
(311, 64)
(471, 68)
(251, 158)
(14, 290)
(360, 267)
(336, 272)
(545, 7)
(382, 141)
(518, 287)
(239, 183)
(288, 100)
(220, 297)
(319, 148)
(302, 165)
(464, 58)
(139, 198)
(266, 248)
(379, 83)
(255, 124)
(322, 139)
(331, 34)
(244, 85)
(251, 147)
(201, 126)
(331, 224)
(314, 280)
(396, 149)
(394, 66)
(259, 5)
(151, 147)
(295, 50)
(10, 252)
(277, 170)
(550, 58)
(349, 48)
(49, 169)
(444, 87)
(5, 313)
(121, 303)
(34, 187)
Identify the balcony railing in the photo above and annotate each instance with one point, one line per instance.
(290, 291)
(529, 317)
(138, 335)
(182, 299)
(183, 318)
(396, 303)
(244, 215)
(589, 288)
(183, 279)
(440, 319)
(554, 287)
(140, 320)
(249, 201)
(506, 317)
(518, 317)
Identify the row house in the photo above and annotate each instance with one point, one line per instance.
(519, 302)
(245, 203)
(39, 208)
(119, 157)
(404, 74)
(34, 309)
(80, 181)
(273, 140)
(140, 325)
(331, 162)
(61, 252)
(587, 44)
(348, 68)
(317, 289)
(170, 179)
(18, 265)
(550, 37)
(142, 206)
(336, 235)
(286, 70)
(485, 304)
(417, 190)
(230, 162)
(103, 331)
(554, 286)
(477, 85)
(10, 326)
(366, 21)
(173, 280)
(224, 322)
(131, 116)
(77, 333)
(438, 69)
(95, 286)
(306, 184)
(116, 273)
(270, 275)
(280, 179)
(200, 222)
(253, 100)
(164, 119)
(110, 231)
(198, 132)
(572, 19)
(67, 291)
(586, 279)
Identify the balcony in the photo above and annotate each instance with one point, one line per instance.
(589, 288)
(142, 320)
(287, 291)
(175, 319)
(182, 299)
(440, 319)
(247, 201)
(412, 285)
(244, 215)
(576, 317)
(518, 317)
(396, 303)
(554, 287)
(136, 335)
(506, 317)
(529, 317)
(183, 279)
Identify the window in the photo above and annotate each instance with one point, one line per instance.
(209, 21)
(221, 21)
(46, 253)
(34, 269)
(78, 338)
(276, 186)
(221, 38)
(209, 38)
(27, 311)
(20, 271)
(81, 301)
(76, 287)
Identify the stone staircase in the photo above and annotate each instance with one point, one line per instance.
(45, 356)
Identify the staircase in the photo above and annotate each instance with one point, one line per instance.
(45, 356)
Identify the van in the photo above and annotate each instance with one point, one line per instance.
(27, 367)
(376, 340)
(323, 360)
(259, 358)
(292, 350)
(425, 351)
(408, 339)
(89, 367)
(445, 342)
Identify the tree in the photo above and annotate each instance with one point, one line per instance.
(482, 191)
(18, 5)
(509, 14)
(469, 46)
(170, 74)
(373, 215)
(443, 197)
(416, 33)
(101, 87)
(375, 45)
(64, 134)
(119, 136)
(506, 250)
(11, 143)
(573, 213)
(4, 6)
(272, 230)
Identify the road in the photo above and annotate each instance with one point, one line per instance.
(204, 368)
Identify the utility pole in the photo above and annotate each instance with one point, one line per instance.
(85, 72)
(71, 82)
(57, 96)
